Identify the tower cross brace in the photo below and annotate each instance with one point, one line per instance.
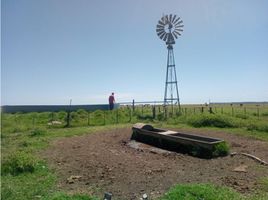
(171, 84)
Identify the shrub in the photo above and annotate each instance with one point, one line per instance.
(160, 116)
(241, 116)
(265, 114)
(221, 149)
(81, 112)
(258, 126)
(19, 162)
(62, 115)
(145, 117)
(74, 115)
(211, 120)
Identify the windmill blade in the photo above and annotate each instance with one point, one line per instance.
(165, 38)
(166, 19)
(160, 33)
(173, 18)
(177, 29)
(175, 35)
(161, 36)
(176, 32)
(179, 26)
(159, 26)
(160, 30)
(161, 23)
(176, 20)
(179, 22)
(170, 17)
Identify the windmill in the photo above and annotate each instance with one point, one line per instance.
(169, 28)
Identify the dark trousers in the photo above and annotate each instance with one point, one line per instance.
(111, 106)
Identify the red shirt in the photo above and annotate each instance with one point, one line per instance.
(111, 99)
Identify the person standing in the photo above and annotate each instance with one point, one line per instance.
(111, 101)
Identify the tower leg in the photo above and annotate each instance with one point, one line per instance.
(171, 81)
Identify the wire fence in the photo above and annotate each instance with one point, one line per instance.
(126, 113)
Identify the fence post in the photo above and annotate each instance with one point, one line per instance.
(68, 114)
(210, 110)
(232, 111)
(133, 105)
(202, 109)
(130, 115)
(245, 111)
(68, 119)
(258, 112)
(153, 110)
(165, 111)
(142, 110)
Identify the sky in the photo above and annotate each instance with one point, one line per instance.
(56, 50)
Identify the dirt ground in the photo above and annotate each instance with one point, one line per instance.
(110, 162)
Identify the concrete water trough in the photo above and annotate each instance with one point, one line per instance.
(193, 144)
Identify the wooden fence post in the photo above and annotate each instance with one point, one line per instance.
(210, 110)
(133, 105)
(130, 115)
(68, 119)
(153, 110)
(165, 111)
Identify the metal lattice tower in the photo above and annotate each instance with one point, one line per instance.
(169, 27)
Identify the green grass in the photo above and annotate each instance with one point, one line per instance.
(207, 192)
(62, 196)
(19, 162)
(28, 185)
(26, 176)
(200, 192)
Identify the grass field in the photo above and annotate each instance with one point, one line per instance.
(26, 176)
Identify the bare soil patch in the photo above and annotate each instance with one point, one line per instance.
(109, 161)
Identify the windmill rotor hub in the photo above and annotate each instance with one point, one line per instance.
(170, 26)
